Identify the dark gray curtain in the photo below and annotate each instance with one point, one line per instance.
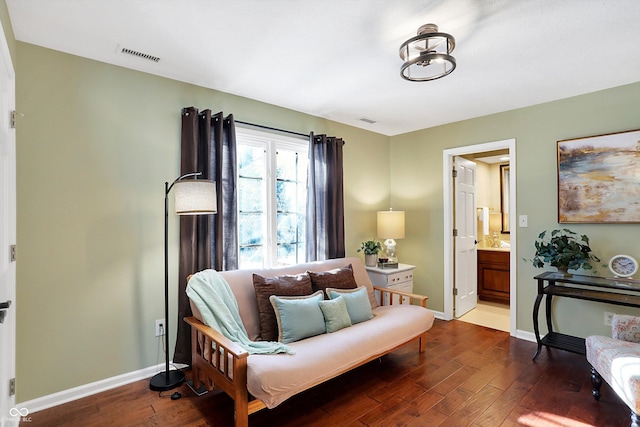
(208, 145)
(325, 199)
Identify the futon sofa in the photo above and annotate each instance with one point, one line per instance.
(258, 381)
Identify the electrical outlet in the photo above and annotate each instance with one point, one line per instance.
(607, 318)
(160, 327)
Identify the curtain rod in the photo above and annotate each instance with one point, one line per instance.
(271, 128)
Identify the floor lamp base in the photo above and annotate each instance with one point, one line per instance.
(159, 381)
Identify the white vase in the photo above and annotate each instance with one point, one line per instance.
(371, 260)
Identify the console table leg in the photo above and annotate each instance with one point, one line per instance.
(536, 329)
(537, 353)
(548, 313)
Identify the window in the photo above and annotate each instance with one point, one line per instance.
(272, 195)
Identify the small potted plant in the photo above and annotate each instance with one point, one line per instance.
(370, 249)
(564, 250)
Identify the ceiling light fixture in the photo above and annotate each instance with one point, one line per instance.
(427, 56)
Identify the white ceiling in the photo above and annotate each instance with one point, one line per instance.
(338, 59)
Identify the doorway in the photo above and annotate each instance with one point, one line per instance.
(449, 214)
(7, 238)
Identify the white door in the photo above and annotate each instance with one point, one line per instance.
(466, 256)
(8, 414)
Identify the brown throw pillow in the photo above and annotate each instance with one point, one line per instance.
(339, 278)
(297, 285)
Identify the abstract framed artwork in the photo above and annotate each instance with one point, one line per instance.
(599, 179)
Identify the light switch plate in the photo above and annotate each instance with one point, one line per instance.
(522, 221)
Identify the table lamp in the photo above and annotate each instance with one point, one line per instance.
(390, 227)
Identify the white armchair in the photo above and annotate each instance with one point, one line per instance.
(617, 361)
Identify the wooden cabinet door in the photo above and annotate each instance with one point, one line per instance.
(493, 276)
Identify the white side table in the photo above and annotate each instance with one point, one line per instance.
(399, 279)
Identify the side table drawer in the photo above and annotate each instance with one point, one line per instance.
(401, 277)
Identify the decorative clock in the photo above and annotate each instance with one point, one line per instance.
(623, 265)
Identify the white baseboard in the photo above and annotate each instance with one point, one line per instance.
(525, 335)
(85, 390)
(438, 314)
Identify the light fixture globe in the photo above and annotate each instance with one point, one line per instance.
(427, 56)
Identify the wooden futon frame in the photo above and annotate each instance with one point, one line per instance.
(212, 368)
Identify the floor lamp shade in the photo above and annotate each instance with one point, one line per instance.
(195, 197)
(192, 197)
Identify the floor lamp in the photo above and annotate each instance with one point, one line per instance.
(192, 197)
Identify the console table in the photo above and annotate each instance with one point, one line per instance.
(613, 291)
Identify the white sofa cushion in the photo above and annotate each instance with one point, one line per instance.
(275, 378)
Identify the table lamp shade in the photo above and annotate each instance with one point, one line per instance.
(391, 224)
(195, 197)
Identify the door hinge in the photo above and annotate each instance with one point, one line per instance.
(454, 173)
(455, 291)
(12, 253)
(12, 386)
(13, 119)
(455, 232)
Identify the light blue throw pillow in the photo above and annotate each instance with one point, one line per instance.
(357, 300)
(335, 313)
(298, 317)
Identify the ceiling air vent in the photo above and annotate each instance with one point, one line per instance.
(140, 54)
(364, 119)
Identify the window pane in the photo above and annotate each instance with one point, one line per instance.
(287, 254)
(287, 228)
(250, 195)
(301, 227)
(287, 165)
(252, 257)
(287, 196)
(251, 161)
(250, 227)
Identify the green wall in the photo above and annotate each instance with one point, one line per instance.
(95, 144)
(416, 186)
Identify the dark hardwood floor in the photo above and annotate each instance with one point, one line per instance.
(469, 376)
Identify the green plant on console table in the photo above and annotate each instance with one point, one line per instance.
(564, 250)
(370, 247)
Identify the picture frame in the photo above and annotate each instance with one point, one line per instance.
(598, 180)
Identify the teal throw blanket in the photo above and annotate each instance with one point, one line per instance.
(212, 296)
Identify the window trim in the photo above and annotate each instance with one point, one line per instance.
(271, 142)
